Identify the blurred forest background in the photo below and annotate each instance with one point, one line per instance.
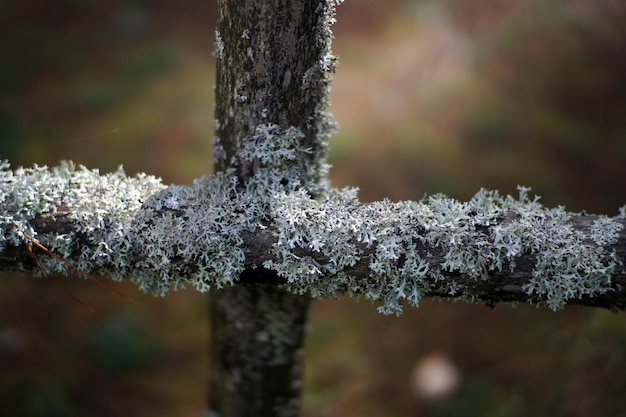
(431, 96)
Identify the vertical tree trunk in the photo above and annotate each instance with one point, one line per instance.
(273, 69)
(273, 65)
(257, 350)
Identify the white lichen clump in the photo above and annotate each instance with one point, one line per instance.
(100, 206)
(566, 268)
(199, 241)
(281, 162)
(165, 238)
(219, 46)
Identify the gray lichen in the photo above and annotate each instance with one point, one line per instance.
(273, 80)
(100, 206)
(279, 159)
(219, 46)
(165, 238)
(397, 231)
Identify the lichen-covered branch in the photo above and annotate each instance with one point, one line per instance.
(214, 233)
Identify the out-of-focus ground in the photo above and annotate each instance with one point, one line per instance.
(431, 96)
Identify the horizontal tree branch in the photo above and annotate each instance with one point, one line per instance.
(214, 233)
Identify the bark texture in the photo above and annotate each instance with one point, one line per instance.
(256, 351)
(273, 58)
(273, 65)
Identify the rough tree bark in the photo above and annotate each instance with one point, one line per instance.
(269, 223)
(271, 78)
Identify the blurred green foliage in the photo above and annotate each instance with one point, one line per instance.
(121, 345)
